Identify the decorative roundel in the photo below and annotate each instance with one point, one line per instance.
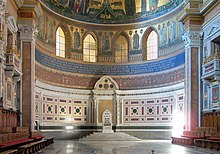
(62, 109)
(164, 109)
(106, 80)
(106, 86)
(134, 110)
(77, 110)
(49, 108)
(100, 85)
(111, 86)
(150, 110)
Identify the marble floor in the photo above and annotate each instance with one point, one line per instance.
(122, 147)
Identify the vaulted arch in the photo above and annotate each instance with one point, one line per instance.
(67, 38)
(121, 46)
(90, 47)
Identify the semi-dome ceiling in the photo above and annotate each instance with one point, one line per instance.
(112, 11)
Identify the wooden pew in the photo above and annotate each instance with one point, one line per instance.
(32, 147)
(15, 151)
(206, 143)
(182, 140)
(49, 141)
(36, 135)
(12, 137)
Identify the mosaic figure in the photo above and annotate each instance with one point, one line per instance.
(143, 6)
(130, 7)
(153, 4)
(78, 6)
(173, 32)
(50, 31)
(105, 42)
(71, 4)
(181, 30)
(41, 27)
(76, 39)
(64, 3)
(136, 41)
(163, 35)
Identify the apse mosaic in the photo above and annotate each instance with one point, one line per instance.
(112, 11)
(151, 110)
(61, 110)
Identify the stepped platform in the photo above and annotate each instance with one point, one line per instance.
(116, 136)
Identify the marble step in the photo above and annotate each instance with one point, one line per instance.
(116, 136)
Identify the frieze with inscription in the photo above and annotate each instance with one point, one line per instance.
(116, 70)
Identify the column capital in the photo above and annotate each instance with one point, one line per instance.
(9, 74)
(16, 78)
(2, 7)
(27, 32)
(192, 38)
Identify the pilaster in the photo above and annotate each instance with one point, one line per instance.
(27, 15)
(192, 20)
(2, 51)
(118, 113)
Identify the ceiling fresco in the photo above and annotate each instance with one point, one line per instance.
(112, 11)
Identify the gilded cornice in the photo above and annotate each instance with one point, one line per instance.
(191, 13)
(208, 5)
(30, 9)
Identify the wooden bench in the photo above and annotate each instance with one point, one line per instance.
(32, 147)
(207, 143)
(49, 141)
(14, 144)
(10, 152)
(36, 135)
(182, 140)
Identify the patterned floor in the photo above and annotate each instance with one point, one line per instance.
(122, 147)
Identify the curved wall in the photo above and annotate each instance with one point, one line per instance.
(147, 94)
(169, 32)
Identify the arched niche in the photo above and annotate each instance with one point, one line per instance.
(104, 97)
